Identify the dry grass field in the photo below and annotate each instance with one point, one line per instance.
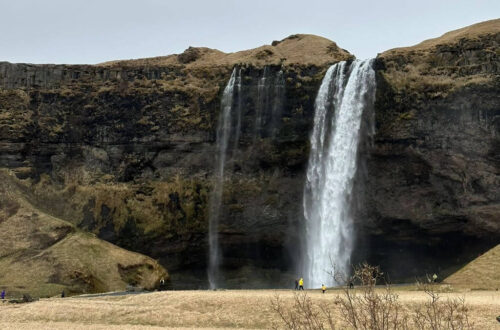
(232, 309)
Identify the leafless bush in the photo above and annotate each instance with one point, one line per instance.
(368, 308)
(436, 314)
(303, 315)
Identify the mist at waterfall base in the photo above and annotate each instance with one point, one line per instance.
(346, 90)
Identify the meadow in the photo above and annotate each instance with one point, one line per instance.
(224, 309)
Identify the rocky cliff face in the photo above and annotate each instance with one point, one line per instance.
(126, 150)
(433, 176)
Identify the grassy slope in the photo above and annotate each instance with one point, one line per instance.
(468, 32)
(42, 255)
(481, 273)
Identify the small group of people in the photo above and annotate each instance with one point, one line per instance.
(299, 284)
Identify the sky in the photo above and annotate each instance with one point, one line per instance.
(95, 31)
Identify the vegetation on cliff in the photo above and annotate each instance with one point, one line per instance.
(42, 255)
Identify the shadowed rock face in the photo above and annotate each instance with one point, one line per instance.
(126, 149)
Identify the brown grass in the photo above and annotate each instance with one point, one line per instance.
(468, 32)
(41, 255)
(230, 309)
(304, 49)
(481, 273)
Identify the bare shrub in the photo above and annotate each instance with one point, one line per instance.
(304, 315)
(374, 309)
(436, 314)
(369, 309)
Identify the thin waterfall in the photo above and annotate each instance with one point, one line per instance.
(278, 102)
(237, 130)
(229, 130)
(223, 136)
(262, 102)
(346, 90)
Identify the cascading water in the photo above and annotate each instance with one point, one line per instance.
(278, 101)
(223, 134)
(346, 90)
(262, 101)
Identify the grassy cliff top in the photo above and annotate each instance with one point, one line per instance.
(440, 66)
(474, 31)
(295, 49)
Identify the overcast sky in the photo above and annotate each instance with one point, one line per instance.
(93, 31)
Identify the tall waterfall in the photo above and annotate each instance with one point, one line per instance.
(224, 127)
(343, 95)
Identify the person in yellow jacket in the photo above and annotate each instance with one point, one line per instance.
(301, 284)
(323, 288)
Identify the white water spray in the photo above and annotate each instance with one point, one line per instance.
(344, 93)
(223, 135)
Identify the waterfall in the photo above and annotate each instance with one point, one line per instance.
(229, 129)
(224, 126)
(269, 106)
(278, 102)
(346, 90)
(262, 102)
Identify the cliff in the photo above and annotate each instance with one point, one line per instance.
(434, 172)
(125, 150)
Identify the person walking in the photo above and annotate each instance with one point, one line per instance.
(323, 288)
(296, 284)
(2, 295)
(301, 284)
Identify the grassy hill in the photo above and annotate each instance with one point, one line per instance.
(481, 273)
(303, 49)
(43, 255)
